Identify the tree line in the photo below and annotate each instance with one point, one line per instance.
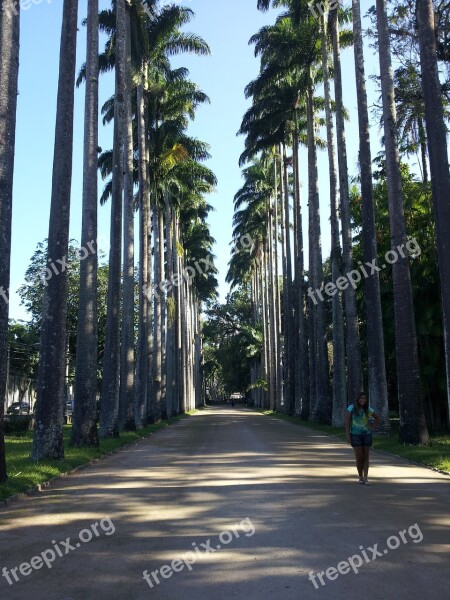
(321, 323)
(150, 359)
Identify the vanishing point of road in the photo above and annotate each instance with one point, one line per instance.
(231, 504)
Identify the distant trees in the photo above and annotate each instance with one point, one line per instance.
(32, 294)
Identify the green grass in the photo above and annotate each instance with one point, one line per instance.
(436, 455)
(24, 474)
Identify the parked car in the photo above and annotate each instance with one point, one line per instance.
(18, 408)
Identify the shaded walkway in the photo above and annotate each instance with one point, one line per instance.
(290, 493)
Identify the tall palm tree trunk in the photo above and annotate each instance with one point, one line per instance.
(289, 403)
(163, 304)
(302, 383)
(265, 344)
(127, 373)
(375, 338)
(198, 356)
(354, 373)
(413, 429)
(178, 321)
(423, 150)
(109, 412)
(9, 71)
(149, 330)
(284, 277)
(437, 150)
(145, 297)
(320, 403)
(84, 428)
(48, 437)
(257, 318)
(272, 301)
(279, 367)
(181, 338)
(189, 346)
(297, 294)
(171, 322)
(339, 383)
(157, 339)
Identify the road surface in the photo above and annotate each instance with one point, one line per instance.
(230, 504)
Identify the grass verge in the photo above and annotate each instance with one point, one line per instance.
(24, 474)
(435, 456)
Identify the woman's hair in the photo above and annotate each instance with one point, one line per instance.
(358, 406)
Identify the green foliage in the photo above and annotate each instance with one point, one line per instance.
(23, 341)
(425, 282)
(232, 342)
(32, 297)
(17, 423)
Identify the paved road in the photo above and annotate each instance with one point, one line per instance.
(280, 500)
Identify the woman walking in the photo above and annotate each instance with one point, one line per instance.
(360, 421)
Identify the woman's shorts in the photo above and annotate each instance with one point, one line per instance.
(361, 439)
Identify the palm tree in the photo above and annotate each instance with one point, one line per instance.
(339, 383)
(251, 219)
(320, 407)
(289, 347)
(375, 339)
(127, 358)
(413, 429)
(437, 144)
(171, 100)
(9, 70)
(158, 37)
(143, 349)
(48, 439)
(109, 417)
(411, 115)
(353, 352)
(267, 124)
(84, 429)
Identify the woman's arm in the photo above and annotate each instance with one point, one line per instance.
(376, 421)
(348, 419)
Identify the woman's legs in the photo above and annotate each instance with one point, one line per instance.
(359, 455)
(366, 450)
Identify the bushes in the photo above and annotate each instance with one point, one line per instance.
(17, 423)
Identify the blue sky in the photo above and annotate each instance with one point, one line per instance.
(227, 27)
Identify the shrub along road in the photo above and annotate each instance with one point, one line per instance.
(231, 504)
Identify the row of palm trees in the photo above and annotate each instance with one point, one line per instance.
(151, 362)
(299, 53)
